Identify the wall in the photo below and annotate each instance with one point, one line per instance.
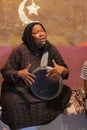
(65, 21)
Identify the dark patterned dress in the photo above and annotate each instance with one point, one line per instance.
(20, 108)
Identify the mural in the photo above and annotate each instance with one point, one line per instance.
(64, 20)
(33, 9)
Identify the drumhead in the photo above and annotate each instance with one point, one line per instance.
(46, 88)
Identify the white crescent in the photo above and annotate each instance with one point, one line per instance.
(22, 14)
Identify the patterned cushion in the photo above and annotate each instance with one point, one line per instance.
(76, 103)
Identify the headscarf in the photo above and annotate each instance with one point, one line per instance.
(28, 40)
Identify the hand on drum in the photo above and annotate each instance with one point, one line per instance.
(55, 71)
(27, 77)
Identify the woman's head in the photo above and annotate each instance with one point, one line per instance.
(35, 33)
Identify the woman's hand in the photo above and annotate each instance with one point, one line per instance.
(56, 70)
(26, 75)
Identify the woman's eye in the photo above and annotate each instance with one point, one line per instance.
(42, 30)
(37, 32)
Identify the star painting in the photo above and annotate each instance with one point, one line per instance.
(33, 9)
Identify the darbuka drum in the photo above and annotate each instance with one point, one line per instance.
(46, 88)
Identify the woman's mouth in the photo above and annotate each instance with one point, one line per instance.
(42, 40)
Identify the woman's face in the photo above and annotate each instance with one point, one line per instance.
(39, 35)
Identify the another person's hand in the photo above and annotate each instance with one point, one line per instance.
(26, 76)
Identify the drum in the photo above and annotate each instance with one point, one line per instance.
(46, 88)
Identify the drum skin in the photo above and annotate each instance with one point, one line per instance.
(46, 88)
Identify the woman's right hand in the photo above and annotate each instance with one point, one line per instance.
(26, 76)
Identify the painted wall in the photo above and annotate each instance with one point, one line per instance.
(65, 21)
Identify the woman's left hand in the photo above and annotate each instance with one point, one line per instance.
(55, 71)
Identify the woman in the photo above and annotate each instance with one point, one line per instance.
(20, 108)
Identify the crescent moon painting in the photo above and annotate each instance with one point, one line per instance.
(33, 9)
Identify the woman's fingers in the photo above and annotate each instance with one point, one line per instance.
(28, 67)
(28, 82)
(30, 78)
(54, 63)
(52, 73)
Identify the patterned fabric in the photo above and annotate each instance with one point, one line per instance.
(25, 112)
(84, 71)
(76, 103)
(20, 108)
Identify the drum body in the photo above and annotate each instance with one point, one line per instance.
(46, 88)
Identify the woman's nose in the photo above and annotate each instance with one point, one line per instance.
(40, 33)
